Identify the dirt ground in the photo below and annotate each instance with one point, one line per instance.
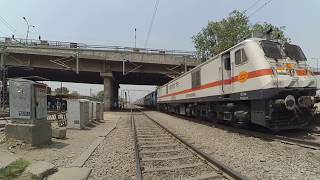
(61, 152)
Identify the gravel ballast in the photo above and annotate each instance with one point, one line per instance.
(114, 157)
(169, 160)
(252, 157)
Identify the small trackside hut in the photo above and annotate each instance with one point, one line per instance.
(257, 81)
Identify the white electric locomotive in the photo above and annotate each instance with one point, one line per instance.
(257, 81)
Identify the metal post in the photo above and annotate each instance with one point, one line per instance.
(60, 88)
(27, 34)
(135, 37)
(3, 80)
(121, 99)
(317, 65)
(126, 102)
(25, 19)
(2, 104)
(28, 26)
(77, 63)
(129, 98)
(123, 67)
(2, 61)
(60, 108)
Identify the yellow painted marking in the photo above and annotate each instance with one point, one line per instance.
(243, 76)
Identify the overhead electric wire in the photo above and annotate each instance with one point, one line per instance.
(14, 30)
(151, 24)
(265, 4)
(254, 4)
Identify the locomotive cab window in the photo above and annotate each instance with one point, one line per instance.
(272, 49)
(196, 79)
(226, 61)
(294, 52)
(240, 57)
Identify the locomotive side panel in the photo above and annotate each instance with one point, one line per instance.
(251, 71)
(252, 75)
(201, 82)
(257, 81)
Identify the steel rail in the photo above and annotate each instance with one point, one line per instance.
(227, 170)
(136, 149)
(300, 142)
(272, 137)
(261, 135)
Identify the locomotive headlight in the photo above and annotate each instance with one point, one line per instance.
(306, 101)
(290, 102)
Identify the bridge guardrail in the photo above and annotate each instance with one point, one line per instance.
(71, 45)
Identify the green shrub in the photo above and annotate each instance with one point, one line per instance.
(13, 170)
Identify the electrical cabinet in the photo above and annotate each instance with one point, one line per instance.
(27, 100)
(77, 113)
(99, 114)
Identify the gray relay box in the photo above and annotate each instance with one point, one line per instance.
(28, 101)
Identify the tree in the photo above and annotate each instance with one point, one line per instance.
(221, 35)
(100, 95)
(64, 90)
(75, 93)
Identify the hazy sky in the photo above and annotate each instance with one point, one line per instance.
(112, 22)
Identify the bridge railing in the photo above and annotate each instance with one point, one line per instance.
(71, 45)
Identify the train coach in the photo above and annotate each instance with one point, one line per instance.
(258, 81)
(149, 101)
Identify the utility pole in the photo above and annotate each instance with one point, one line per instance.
(135, 37)
(28, 28)
(61, 87)
(3, 81)
(60, 103)
(317, 65)
(125, 97)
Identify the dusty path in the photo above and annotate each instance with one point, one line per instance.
(114, 157)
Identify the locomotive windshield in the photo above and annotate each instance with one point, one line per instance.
(294, 52)
(272, 49)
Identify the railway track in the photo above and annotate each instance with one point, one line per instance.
(299, 142)
(161, 154)
(282, 138)
(285, 139)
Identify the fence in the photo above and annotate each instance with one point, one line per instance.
(72, 45)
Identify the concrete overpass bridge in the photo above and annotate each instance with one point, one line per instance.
(82, 63)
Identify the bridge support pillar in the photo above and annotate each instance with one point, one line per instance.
(107, 82)
(110, 92)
